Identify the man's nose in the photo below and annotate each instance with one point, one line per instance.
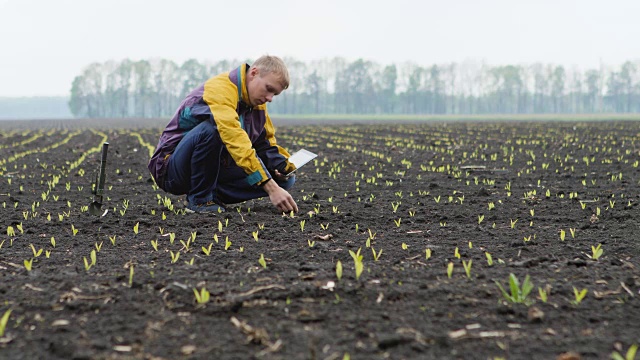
(269, 97)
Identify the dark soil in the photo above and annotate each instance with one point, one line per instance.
(442, 177)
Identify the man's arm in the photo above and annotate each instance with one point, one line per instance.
(273, 155)
(221, 97)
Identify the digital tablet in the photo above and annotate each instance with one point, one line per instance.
(300, 158)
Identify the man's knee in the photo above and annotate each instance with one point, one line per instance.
(206, 131)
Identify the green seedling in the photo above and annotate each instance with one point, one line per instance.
(302, 222)
(518, 294)
(427, 254)
(324, 227)
(215, 238)
(98, 246)
(11, 231)
(202, 297)
(154, 244)
(74, 230)
(596, 252)
(489, 259)
(467, 267)
(578, 296)
(262, 261)
(395, 205)
(3, 322)
(35, 253)
(19, 227)
(172, 238)
(2, 243)
(255, 235)
(207, 250)
(449, 270)
(397, 222)
(261, 226)
(219, 226)
(113, 240)
(53, 242)
(471, 244)
(456, 253)
(174, 256)
(376, 256)
(87, 265)
(311, 243)
(186, 245)
(47, 253)
(630, 355)
(131, 275)
(227, 243)
(543, 294)
(562, 234)
(357, 262)
(339, 270)
(190, 262)
(135, 228)
(480, 219)
(573, 232)
(28, 264)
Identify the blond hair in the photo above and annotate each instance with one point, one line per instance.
(273, 64)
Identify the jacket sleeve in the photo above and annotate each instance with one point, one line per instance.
(275, 156)
(222, 98)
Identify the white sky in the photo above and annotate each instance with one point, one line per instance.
(44, 44)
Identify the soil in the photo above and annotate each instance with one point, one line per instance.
(459, 190)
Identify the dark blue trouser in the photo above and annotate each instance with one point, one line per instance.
(195, 168)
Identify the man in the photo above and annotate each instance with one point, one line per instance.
(220, 146)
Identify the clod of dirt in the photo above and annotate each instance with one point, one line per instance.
(535, 315)
(386, 341)
(577, 262)
(569, 356)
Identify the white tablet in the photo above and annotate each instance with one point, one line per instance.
(301, 157)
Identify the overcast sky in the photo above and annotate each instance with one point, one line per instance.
(44, 44)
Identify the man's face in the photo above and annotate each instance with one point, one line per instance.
(262, 87)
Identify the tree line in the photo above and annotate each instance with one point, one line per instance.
(154, 88)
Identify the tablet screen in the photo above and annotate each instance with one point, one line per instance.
(301, 157)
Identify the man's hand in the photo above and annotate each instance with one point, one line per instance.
(279, 197)
(280, 176)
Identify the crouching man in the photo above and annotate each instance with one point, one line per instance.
(219, 148)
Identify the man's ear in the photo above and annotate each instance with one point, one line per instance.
(254, 71)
